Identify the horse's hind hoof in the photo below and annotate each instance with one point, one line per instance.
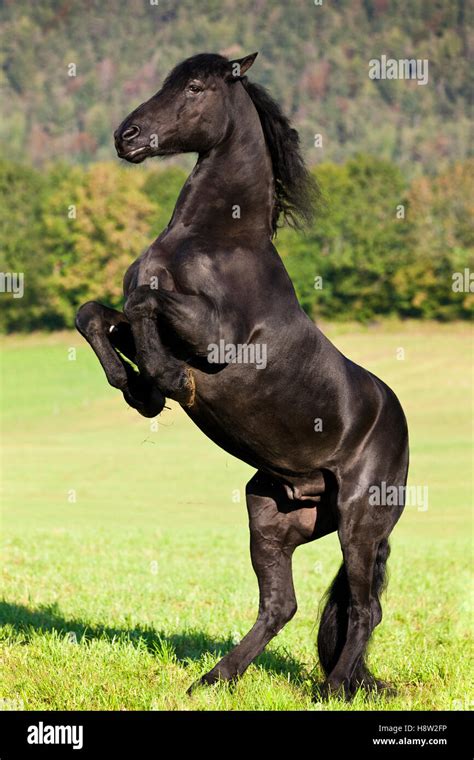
(327, 690)
(372, 686)
(382, 688)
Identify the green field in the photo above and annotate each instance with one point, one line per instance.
(126, 568)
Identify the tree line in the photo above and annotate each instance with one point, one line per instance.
(380, 245)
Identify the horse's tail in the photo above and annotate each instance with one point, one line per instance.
(335, 616)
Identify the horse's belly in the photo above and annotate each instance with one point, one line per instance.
(261, 429)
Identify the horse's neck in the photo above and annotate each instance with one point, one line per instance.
(230, 190)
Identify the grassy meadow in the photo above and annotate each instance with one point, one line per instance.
(125, 560)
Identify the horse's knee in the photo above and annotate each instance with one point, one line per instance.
(91, 321)
(88, 317)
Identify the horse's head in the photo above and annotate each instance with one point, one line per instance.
(191, 113)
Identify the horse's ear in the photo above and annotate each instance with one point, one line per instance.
(239, 66)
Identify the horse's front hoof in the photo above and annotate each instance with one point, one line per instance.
(143, 396)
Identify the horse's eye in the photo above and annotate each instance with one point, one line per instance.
(194, 88)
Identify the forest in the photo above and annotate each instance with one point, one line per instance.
(393, 158)
(379, 245)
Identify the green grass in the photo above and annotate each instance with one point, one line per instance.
(120, 598)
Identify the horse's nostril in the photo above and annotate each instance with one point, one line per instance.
(131, 133)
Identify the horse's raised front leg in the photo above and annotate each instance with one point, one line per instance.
(195, 319)
(172, 376)
(276, 529)
(107, 330)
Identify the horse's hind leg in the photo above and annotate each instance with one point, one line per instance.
(359, 563)
(276, 529)
(353, 607)
(106, 330)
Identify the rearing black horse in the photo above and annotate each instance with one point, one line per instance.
(213, 281)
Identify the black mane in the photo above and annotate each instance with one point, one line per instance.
(296, 190)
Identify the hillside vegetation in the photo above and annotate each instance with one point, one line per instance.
(313, 58)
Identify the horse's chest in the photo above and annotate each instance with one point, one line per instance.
(154, 269)
(170, 269)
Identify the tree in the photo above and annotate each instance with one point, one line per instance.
(355, 244)
(23, 193)
(441, 239)
(97, 222)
